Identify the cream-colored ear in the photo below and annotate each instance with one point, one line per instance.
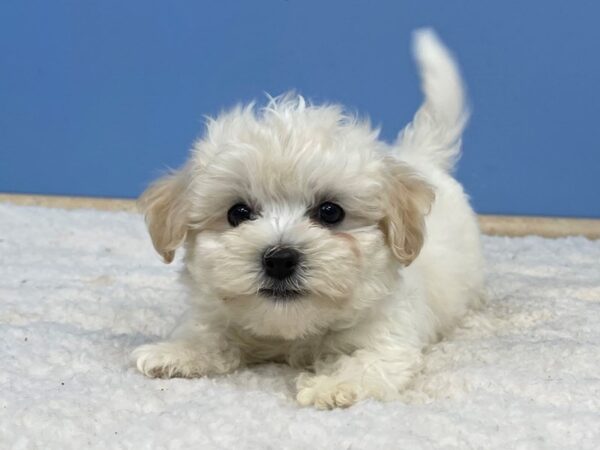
(409, 199)
(165, 207)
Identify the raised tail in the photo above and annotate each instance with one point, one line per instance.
(435, 132)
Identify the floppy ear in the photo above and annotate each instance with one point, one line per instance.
(408, 201)
(165, 207)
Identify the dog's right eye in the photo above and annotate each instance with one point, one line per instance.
(239, 213)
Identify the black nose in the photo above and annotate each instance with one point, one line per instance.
(280, 262)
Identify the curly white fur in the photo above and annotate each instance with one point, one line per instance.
(396, 274)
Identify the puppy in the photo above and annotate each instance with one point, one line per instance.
(311, 242)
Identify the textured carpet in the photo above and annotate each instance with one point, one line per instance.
(80, 289)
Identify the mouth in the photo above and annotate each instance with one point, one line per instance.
(281, 294)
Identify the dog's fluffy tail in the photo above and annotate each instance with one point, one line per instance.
(435, 133)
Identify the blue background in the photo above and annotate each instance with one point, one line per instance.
(97, 98)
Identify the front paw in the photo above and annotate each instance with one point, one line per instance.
(326, 392)
(166, 360)
(179, 359)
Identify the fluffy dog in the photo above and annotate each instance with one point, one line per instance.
(310, 241)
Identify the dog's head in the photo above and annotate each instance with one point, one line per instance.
(294, 217)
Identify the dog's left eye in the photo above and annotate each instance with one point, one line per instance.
(239, 213)
(330, 213)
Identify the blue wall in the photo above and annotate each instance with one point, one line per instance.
(96, 98)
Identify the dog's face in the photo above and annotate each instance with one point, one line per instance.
(294, 218)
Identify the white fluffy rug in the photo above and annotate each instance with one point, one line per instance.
(80, 289)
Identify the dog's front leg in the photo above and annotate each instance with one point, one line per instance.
(195, 349)
(340, 381)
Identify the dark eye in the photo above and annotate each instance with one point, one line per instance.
(239, 213)
(329, 213)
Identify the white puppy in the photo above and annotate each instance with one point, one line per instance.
(311, 242)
